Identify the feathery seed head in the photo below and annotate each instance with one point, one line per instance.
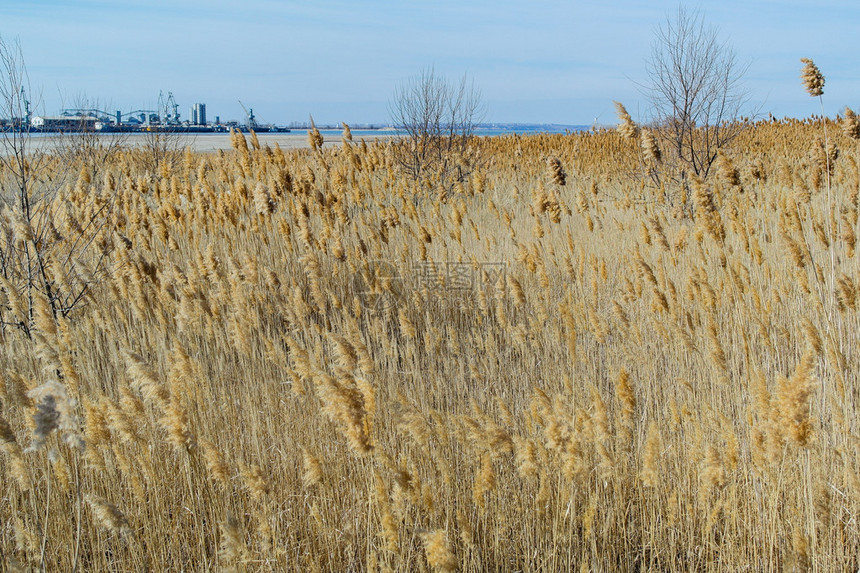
(813, 79)
(850, 124)
(145, 380)
(651, 457)
(650, 148)
(108, 515)
(315, 138)
(232, 541)
(795, 401)
(313, 473)
(218, 469)
(556, 171)
(627, 127)
(263, 202)
(438, 551)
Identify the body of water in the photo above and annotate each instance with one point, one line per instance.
(481, 130)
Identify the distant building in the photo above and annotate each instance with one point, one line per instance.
(64, 123)
(198, 114)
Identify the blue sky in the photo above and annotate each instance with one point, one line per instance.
(540, 61)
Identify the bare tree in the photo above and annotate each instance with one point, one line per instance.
(163, 139)
(20, 163)
(49, 255)
(162, 147)
(83, 145)
(695, 89)
(439, 120)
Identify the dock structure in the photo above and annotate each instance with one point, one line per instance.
(165, 118)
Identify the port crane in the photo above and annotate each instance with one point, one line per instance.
(169, 109)
(252, 120)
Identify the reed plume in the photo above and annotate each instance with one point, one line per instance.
(627, 401)
(795, 401)
(315, 138)
(728, 173)
(626, 126)
(813, 79)
(346, 404)
(825, 155)
(650, 147)
(601, 433)
(233, 548)
(255, 480)
(145, 380)
(559, 177)
(485, 480)
(108, 515)
(263, 202)
(218, 469)
(313, 473)
(650, 472)
(707, 216)
(438, 551)
(851, 124)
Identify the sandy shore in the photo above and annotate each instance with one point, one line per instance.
(212, 142)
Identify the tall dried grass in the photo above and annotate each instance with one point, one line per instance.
(304, 361)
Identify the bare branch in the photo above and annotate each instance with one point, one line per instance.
(44, 237)
(695, 89)
(439, 119)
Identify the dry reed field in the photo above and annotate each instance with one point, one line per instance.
(301, 360)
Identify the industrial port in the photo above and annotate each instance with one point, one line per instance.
(166, 118)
